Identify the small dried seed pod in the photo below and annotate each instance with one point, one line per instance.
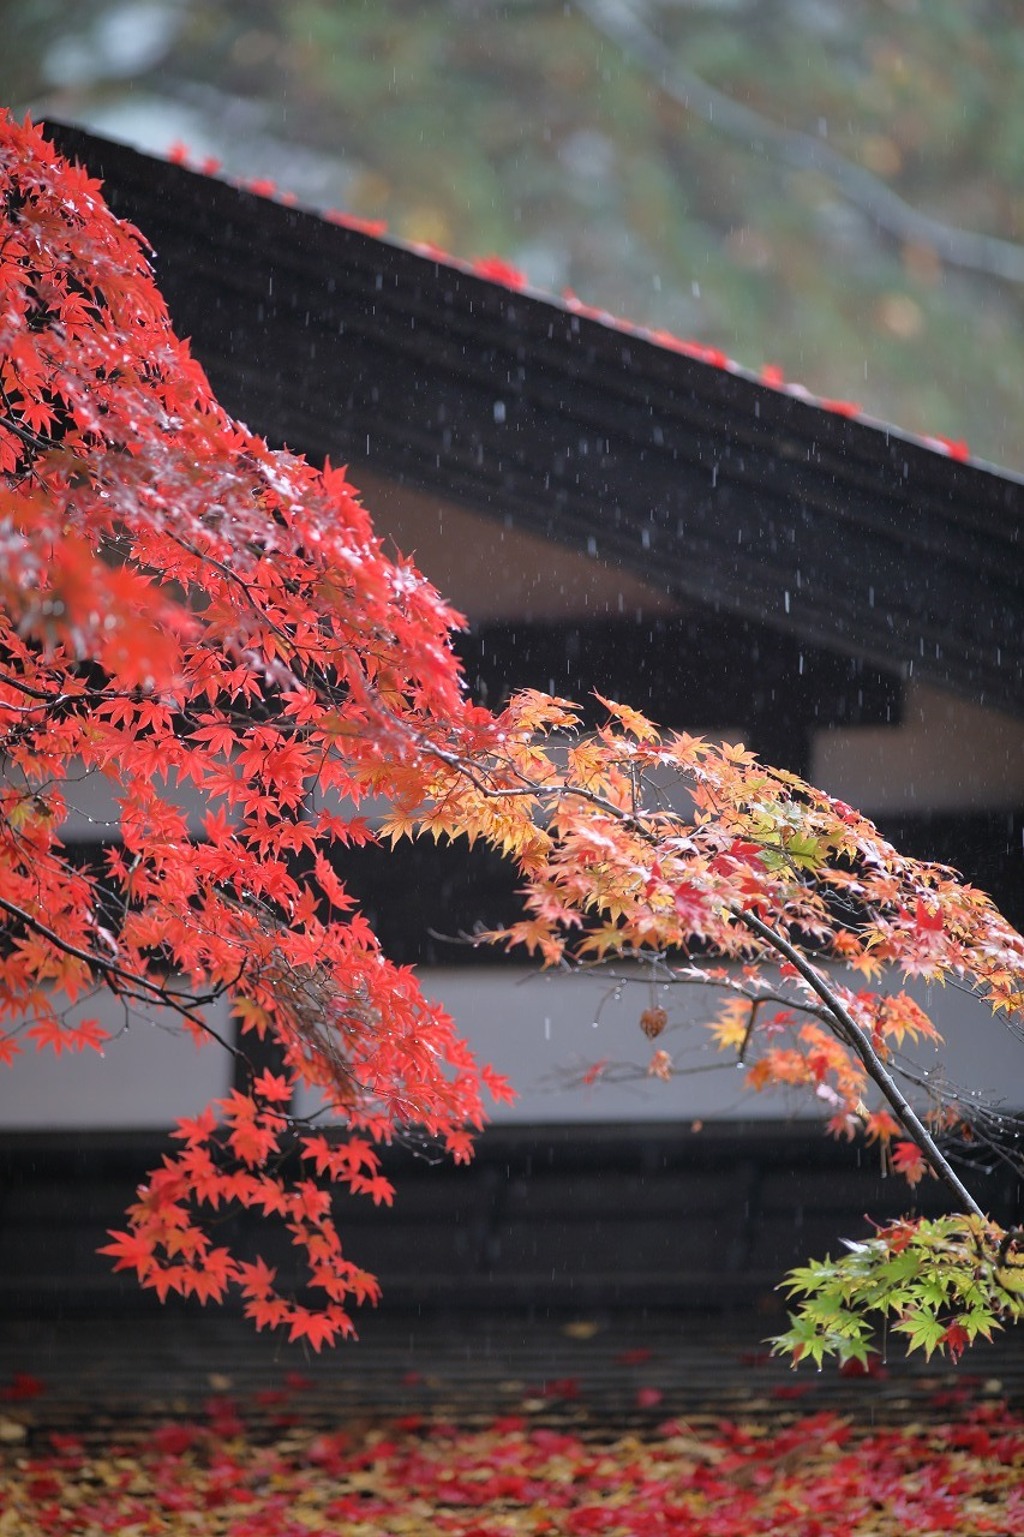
(653, 1022)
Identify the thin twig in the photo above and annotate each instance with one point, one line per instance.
(123, 982)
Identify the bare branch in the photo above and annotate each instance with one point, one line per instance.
(989, 254)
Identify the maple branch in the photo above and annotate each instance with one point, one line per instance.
(33, 693)
(668, 977)
(851, 1034)
(85, 696)
(206, 557)
(833, 1012)
(748, 1032)
(124, 982)
(531, 787)
(624, 1072)
(12, 424)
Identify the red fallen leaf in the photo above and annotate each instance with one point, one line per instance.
(225, 1421)
(69, 1446)
(499, 271)
(328, 1452)
(789, 1390)
(591, 1518)
(509, 1424)
(635, 1356)
(811, 1477)
(561, 1387)
(872, 1367)
(840, 407)
(649, 1398)
(374, 227)
(297, 1382)
(285, 1421)
(949, 1398)
(174, 1439)
(44, 1486)
(955, 448)
(22, 1387)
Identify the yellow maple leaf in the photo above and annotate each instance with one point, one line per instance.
(631, 720)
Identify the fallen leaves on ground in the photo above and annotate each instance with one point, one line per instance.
(813, 1477)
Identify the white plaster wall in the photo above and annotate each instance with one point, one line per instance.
(146, 1077)
(460, 551)
(542, 1030)
(947, 754)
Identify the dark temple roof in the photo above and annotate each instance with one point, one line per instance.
(704, 482)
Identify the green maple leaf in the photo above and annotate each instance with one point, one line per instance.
(923, 1330)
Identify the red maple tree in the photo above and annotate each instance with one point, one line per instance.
(185, 610)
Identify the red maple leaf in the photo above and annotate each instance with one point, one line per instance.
(908, 1160)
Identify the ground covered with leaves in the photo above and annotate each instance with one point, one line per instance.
(814, 1476)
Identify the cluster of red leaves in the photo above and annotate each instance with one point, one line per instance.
(812, 1478)
(186, 615)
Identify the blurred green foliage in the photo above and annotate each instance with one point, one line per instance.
(517, 129)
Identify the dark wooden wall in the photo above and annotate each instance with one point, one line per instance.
(606, 1216)
(733, 496)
